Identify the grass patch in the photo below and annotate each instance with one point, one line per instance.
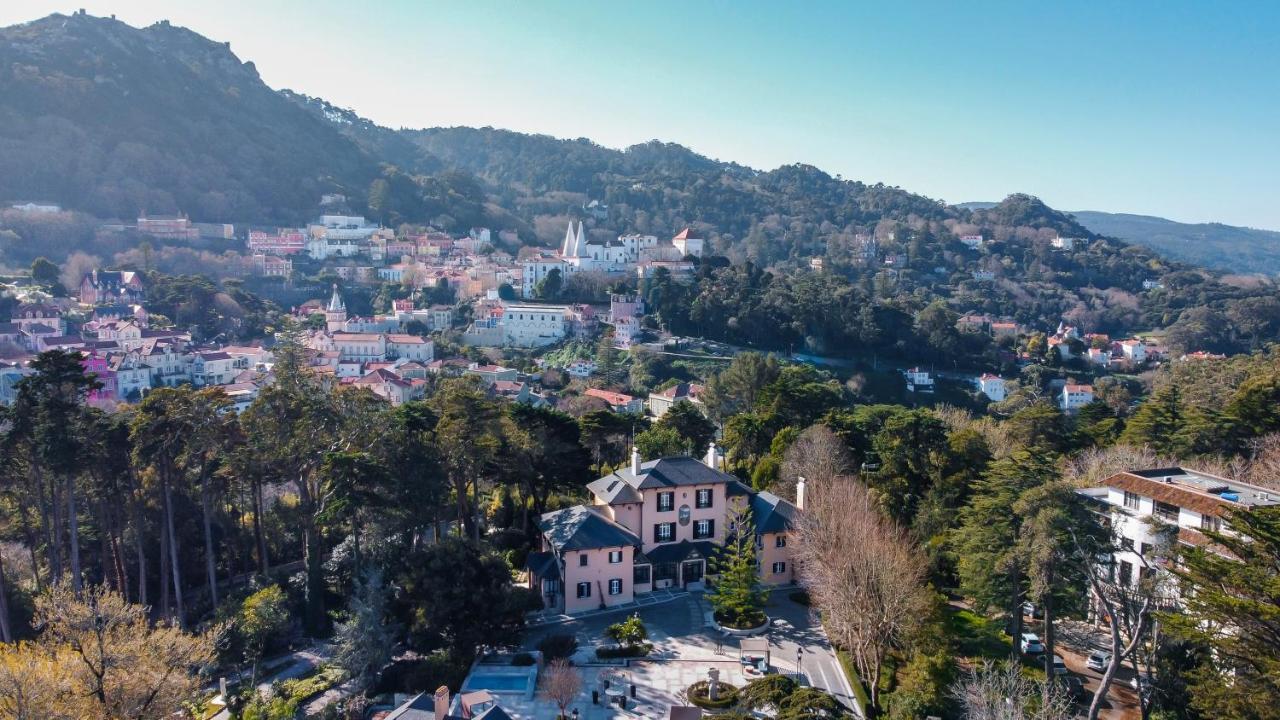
(978, 637)
(859, 693)
(311, 684)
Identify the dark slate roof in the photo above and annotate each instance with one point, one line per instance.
(660, 473)
(583, 528)
(737, 488)
(683, 550)
(543, 565)
(421, 707)
(772, 514)
(613, 489)
(493, 713)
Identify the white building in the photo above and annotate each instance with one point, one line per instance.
(688, 243)
(918, 380)
(992, 386)
(535, 268)
(1075, 397)
(1152, 510)
(533, 325)
(1135, 351)
(1066, 244)
(972, 241)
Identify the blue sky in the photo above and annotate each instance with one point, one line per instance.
(1166, 108)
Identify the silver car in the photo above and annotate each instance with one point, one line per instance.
(1099, 660)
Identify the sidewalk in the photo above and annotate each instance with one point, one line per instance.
(543, 618)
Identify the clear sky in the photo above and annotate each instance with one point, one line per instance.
(1162, 108)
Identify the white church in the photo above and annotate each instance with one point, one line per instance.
(613, 257)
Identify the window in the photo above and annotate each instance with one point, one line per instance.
(1209, 522)
(664, 532)
(1166, 511)
(780, 541)
(779, 568)
(703, 498)
(666, 501)
(584, 589)
(640, 576)
(1126, 543)
(615, 557)
(1144, 549)
(1131, 500)
(582, 559)
(1126, 573)
(703, 529)
(615, 586)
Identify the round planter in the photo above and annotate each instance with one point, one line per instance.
(745, 632)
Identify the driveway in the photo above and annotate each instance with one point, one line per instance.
(682, 640)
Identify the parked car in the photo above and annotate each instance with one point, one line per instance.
(1140, 684)
(1098, 660)
(1074, 687)
(1059, 666)
(1029, 609)
(1031, 644)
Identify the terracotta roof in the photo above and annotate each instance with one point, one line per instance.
(1180, 495)
(613, 398)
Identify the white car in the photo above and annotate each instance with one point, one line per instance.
(1059, 666)
(1030, 644)
(1099, 660)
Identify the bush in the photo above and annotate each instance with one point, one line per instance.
(523, 659)
(741, 618)
(800, 597)
(424, 673)
(609, 652)
(697, 694)
(628, 632)
(560, 645)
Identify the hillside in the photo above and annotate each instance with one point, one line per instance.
(1212, 245)
(115, 120)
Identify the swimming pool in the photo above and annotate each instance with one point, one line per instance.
(513, 683)
(499, 682)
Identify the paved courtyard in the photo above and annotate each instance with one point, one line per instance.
(684, 650)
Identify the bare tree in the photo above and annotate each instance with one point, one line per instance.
(1128, 611)
(818, 455)
(562, 683)
(864, 574)
(1002, 692)
(1094, 465)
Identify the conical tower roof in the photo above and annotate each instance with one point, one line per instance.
(335, 302)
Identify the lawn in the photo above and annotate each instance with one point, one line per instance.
(978, 637)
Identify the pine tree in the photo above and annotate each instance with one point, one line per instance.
(1231, 601)
(365, 640)
(738, 596)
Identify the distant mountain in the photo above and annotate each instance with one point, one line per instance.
(1212, 245)
(115, 120)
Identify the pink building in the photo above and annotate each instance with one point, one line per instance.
(652, 526)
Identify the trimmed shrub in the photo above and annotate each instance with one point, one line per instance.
(609, 652)
(698, 695)
(560, 645)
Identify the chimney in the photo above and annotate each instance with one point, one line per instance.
(711, 455)
(635, 460)
(800, 492)
(442, 702)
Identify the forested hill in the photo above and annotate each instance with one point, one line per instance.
(115, 120)
(1213, 245)
(662, 187)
